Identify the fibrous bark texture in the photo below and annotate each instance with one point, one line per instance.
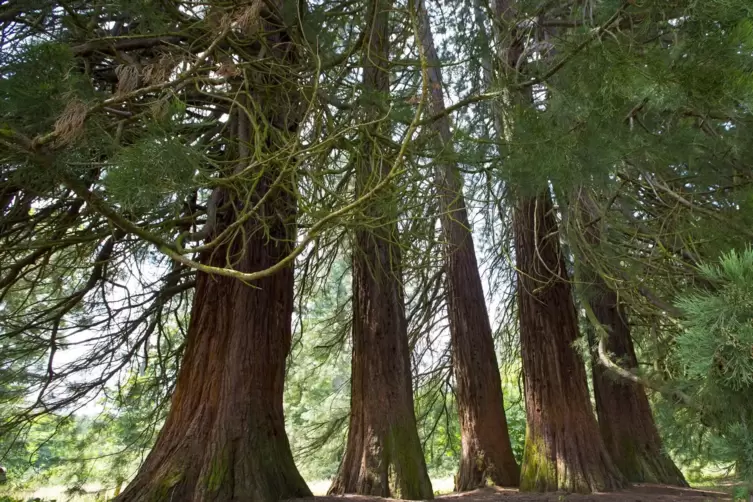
(486, 453)
(563, 448)
(224, 438)
(383, 455)
(625, 418)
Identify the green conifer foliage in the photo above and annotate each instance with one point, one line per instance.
(715, 349)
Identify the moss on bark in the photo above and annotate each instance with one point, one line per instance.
(564, 450)
(538, 472)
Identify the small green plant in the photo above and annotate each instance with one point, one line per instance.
(742, 493)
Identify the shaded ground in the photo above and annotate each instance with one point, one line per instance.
(638, 493)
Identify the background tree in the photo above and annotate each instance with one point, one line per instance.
(625, 417)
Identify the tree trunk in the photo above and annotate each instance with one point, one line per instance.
(383, 455)
(563, 450)
(625, 418)
(486, 453)
(224, 438)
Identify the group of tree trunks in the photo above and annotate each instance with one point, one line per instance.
(224, 438)
(562, 449)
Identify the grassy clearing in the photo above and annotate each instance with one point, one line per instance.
(57, 494)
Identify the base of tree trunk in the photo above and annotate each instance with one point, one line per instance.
(221, 475)
(224, 438)
(388, 466)
(561, 462)
(477, 470)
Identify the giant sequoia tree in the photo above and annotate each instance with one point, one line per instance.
(224, 438)
(486, 451)
(383, 454)
(655, 189)
(625, 417)
(154, 129)
(562, 450)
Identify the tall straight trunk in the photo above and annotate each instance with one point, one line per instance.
(383, 455)
(563, 449)
(486, 453)
(625, 418)
(224, 438)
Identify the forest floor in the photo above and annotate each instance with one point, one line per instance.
(638, 493)
(712, 490)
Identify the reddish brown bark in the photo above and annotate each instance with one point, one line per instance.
(486, 453)
(625, 418)
(383, 454)
(224, 438)
(563, 448)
